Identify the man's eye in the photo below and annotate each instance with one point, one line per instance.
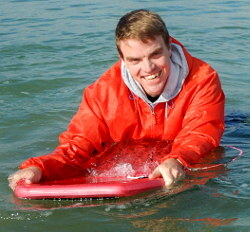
(156, 54)
(134, 61)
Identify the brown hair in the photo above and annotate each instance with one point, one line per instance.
(141, 25)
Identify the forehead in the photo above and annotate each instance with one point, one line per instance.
(138, 48)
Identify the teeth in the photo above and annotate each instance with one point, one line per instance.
(151, 77)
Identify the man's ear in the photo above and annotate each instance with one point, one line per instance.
(119, 52)
(170, 50)
(170, 46)
(120, 55)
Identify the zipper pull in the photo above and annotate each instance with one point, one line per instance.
(153, 116)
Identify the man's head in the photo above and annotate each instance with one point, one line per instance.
(144, 45)
(140, 25)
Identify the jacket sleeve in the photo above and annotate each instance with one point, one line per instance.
(203, 122)
(85, 136)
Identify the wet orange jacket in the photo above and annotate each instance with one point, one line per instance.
(193, 121)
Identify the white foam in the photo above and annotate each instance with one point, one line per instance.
(119, 170)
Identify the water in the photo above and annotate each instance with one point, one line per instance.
(51, 50)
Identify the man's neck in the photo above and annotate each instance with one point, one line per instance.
(152, 99)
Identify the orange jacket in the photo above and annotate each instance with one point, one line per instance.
(194, 122)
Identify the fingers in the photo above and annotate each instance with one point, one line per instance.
(29, 175)
(167, 176)
(171, 170)
(13, 179)
(155, 174)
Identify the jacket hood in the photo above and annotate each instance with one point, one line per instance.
(178, 72)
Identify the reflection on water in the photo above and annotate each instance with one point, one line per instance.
(173, 224)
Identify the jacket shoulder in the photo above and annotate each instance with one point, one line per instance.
(109, 83)
(201, 71)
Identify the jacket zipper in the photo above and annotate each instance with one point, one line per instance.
(153, 115)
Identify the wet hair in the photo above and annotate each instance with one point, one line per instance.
(141, 25)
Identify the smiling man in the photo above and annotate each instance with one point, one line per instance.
(157, 90)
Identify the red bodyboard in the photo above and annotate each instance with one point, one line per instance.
(86, 188)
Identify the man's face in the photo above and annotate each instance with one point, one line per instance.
(148, 63)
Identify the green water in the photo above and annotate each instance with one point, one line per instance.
(51, 50)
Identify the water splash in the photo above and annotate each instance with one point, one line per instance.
(130, 158)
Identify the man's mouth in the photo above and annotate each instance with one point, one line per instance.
(152, 77)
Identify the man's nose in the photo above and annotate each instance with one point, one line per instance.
(148, 66)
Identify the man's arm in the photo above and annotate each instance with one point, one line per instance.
(85, 136)
(202, 128)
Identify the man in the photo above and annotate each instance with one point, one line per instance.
(156, 90)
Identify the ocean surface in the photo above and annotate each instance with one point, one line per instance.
(51, 50)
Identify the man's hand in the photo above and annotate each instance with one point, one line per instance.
(30, 175)
(170, 170)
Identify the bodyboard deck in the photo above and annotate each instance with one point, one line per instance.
(83, 187)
